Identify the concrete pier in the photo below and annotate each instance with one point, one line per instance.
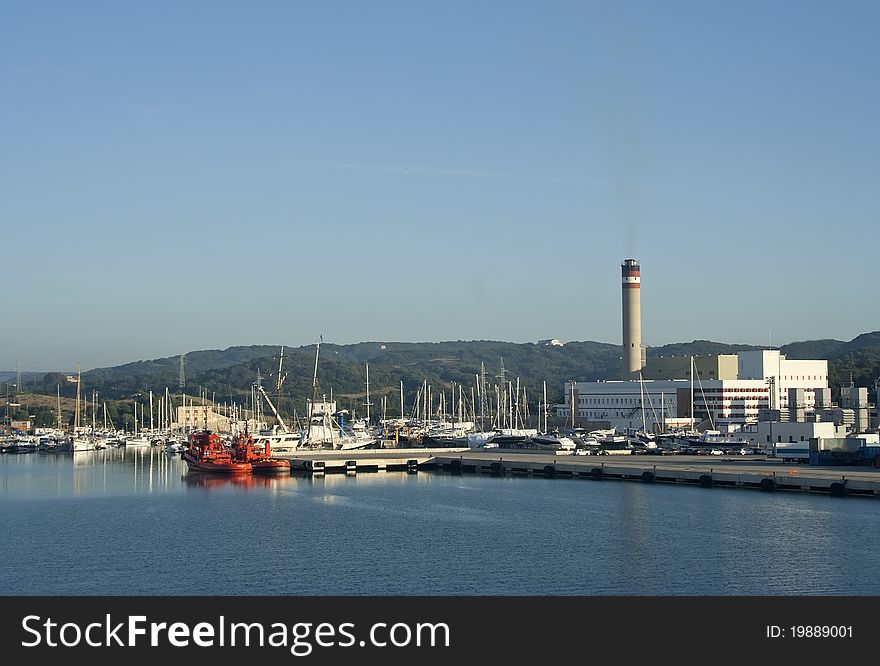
(728, 471)
(364, 460)
(754, 472)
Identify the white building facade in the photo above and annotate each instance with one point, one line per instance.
(626, 404)
(767, 433)
(770, 366)
(721, 404)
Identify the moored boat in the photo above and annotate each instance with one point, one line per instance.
(259, 457)
(206, 453)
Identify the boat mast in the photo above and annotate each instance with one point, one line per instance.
(662, 413)
(314, 387)
(58, 390)
(76, 413)
(425, 403)
(516, 401)
(642, 398)
(462, 405)
(693, 417)
(510, 422)
(279, 383)
(367, 403)
(545, 407)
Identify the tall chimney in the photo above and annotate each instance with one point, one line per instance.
(632, 317)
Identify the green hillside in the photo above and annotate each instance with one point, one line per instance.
(227, 375)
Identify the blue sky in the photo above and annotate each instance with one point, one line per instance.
(195, 175)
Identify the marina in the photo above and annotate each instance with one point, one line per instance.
(387, 325)
(124, 521)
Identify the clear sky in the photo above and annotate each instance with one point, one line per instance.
(193, 175)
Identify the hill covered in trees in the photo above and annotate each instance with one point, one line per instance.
(228, 375)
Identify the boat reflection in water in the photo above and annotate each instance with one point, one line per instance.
(248, 481)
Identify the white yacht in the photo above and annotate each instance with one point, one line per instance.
(329, 431)
(279, 441)
(552, 442)
(82, 443)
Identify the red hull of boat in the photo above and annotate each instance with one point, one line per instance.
(221, 466)
(270, 466)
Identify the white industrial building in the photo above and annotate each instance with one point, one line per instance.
(766, 433)
(626, 403)
(771, 366)
(720, 404)
(763, 380)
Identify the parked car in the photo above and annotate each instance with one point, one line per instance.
(716, 452)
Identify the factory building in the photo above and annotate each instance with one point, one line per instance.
(855, 399)
(614, 401)
(729, 391)
(662, 405)
(718, 366)
(724, 404)
(771, 366)
(766, 433)
(722, 392)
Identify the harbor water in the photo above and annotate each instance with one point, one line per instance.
(135, 522)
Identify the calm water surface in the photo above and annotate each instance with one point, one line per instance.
(132, 522)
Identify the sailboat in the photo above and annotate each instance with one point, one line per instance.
(550, 441)
(78, 441)
(281, 439)
(642, 440)
(137, 440)
(326, 427)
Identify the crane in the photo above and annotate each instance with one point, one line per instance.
(274, 411)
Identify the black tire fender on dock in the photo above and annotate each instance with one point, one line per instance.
(768, 484)
(838, 488)
(550, 470)
(705, 480)
(648, 477)
(597, 473)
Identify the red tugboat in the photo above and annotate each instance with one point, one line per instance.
(261, 461)
(206, 453)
